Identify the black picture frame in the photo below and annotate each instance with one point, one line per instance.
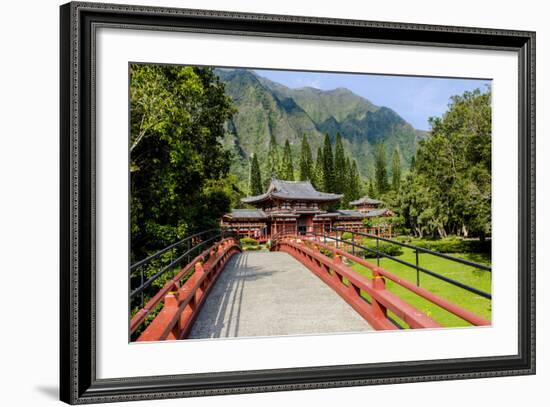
(78, 382)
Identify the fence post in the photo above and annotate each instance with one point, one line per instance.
(417, 271)
(378, 283)
(377, 251)
(142, 281)
(353, 243)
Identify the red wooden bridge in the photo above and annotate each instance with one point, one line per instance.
(303, 285)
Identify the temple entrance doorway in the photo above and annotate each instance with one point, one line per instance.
(304, 224)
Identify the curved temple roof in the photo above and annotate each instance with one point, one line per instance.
(366, 200)
(292, 190)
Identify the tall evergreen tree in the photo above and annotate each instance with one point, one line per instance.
(354, 182)
(306, 161)
(328, 166)
(371, 191)
(340, 174)
(287, 169)
(317, 179)
(347, 187)
(380, 170)
(272, 160)
(255, 179)
(396, 171)
(413, 163)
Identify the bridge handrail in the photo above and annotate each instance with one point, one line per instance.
(182, 304)
(466, 315)
(163, 270)
(142, 262)
(333, 272)
(417, 267)
(172, 285)
(420, 249)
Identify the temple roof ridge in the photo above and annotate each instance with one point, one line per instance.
(292, 190)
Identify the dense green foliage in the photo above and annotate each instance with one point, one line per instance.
(384, 247)
(306, 161)
(272, 160)
(287, 168)
(396, 171)
(340, 170)
(449, 189)
(255, 179)
(329, 180)
(317, 179)
(179, 168)
(380, 170)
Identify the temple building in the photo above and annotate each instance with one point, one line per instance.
(291, 206)
(371, 207)
(366, 204)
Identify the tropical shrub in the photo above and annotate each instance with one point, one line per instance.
(384, 247)
(248, 241)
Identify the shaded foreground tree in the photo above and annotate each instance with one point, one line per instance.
(177, 162)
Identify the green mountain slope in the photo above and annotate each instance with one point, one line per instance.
(266, 108)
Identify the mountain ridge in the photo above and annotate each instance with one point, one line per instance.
(265, 108)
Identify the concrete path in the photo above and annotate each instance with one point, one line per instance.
(271, 293)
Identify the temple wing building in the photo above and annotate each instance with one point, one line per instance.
(291, 207)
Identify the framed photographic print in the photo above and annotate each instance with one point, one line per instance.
(255, 203)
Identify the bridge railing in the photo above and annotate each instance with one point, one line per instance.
(182, 301)
(416, 266)
(352, 286)
(400, 309)
(154, 276)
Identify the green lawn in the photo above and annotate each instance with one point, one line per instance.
(465, 274)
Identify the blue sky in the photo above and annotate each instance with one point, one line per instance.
(413, 98)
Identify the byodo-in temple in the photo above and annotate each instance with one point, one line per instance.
(297, 207)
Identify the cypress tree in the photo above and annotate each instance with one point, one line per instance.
(272, 160)
(255, 178)
(328, 166)
(347, 186)
(340, 175)
(396, 171)
(287, 169)
(371, 192)
(317, 179)
(380, 171)
(306, 161)
(355, 182)
(413, 163)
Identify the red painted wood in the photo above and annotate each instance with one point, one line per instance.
(181, 308)
(410, 315)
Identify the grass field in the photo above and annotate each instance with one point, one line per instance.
(465, 274)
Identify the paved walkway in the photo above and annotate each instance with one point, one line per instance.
(271, 293)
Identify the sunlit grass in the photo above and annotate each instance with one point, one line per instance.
(465, 274)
